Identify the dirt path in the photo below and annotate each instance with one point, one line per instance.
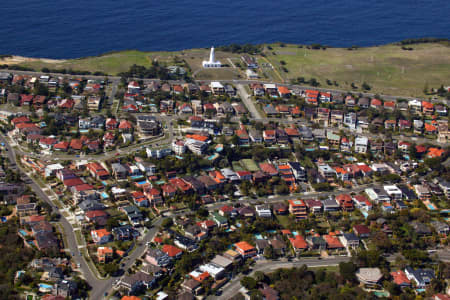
(13, 60)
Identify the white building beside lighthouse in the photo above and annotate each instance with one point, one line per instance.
(212, 62)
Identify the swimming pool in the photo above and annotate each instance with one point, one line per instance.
(365, 213)
(141, 182)
(213, 157)
(431, 206)
(135, 177)
(45, 286)
(105, 195)
(23, 232)
(294, 233)
(258, 236)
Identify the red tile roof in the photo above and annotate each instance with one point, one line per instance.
(332, 242)
(298, 242)
(172, 251)
(435, 152)
(244, 246)
(283, 90)
(73, 182)
(400, 278)
(197, 137)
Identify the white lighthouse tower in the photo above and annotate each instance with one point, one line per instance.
(211, 63)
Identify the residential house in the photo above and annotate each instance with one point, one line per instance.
(245, 249)
(314, 205)
(399, 278)
(369, 276)
(350, 240)
(157, 257)
(135, 282)
(361, 231)
(330, 205)
(298, 209)
(420, 277)
(101, 236)
(263, 211)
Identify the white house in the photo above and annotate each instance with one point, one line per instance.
(377, 195)
(51, 170)
(179, 147)
(251, 74)
(263, 211)
(394, 192)
(361, 143)
(415, 105)
(214, 270)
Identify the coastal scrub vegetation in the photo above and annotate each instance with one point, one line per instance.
(247, 48)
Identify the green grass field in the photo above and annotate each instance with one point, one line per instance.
(387, 69)
(116, 62)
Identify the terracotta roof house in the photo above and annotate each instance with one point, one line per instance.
(76, 144)
(104, 254)
(333, 242)
(400, 279)
(62, 146)
(427, 108)
(361, 230)
(389, 105)
(375, 103)
(125, 125)
(345, 202)
(268, 168)
(435, 152)
(172, 251)
(245, 249)
(298, 243)
(97, 171)
(284, 92)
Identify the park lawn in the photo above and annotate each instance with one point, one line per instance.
(109, 63)
(284, 220)
(115, 62)
(217, 74)
(387, 69)
(327, 268)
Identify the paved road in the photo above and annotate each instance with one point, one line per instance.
(99, 287)
(248, 102)
(308, 195)
(162, 140)
(443, 254)
(322, 89)
(102, 287)
(417, 140)
(67, 227)
(112, 95)
(233, 286)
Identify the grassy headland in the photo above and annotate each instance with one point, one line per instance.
(388, 69)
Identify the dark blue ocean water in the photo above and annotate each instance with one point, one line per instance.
(75, 28)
